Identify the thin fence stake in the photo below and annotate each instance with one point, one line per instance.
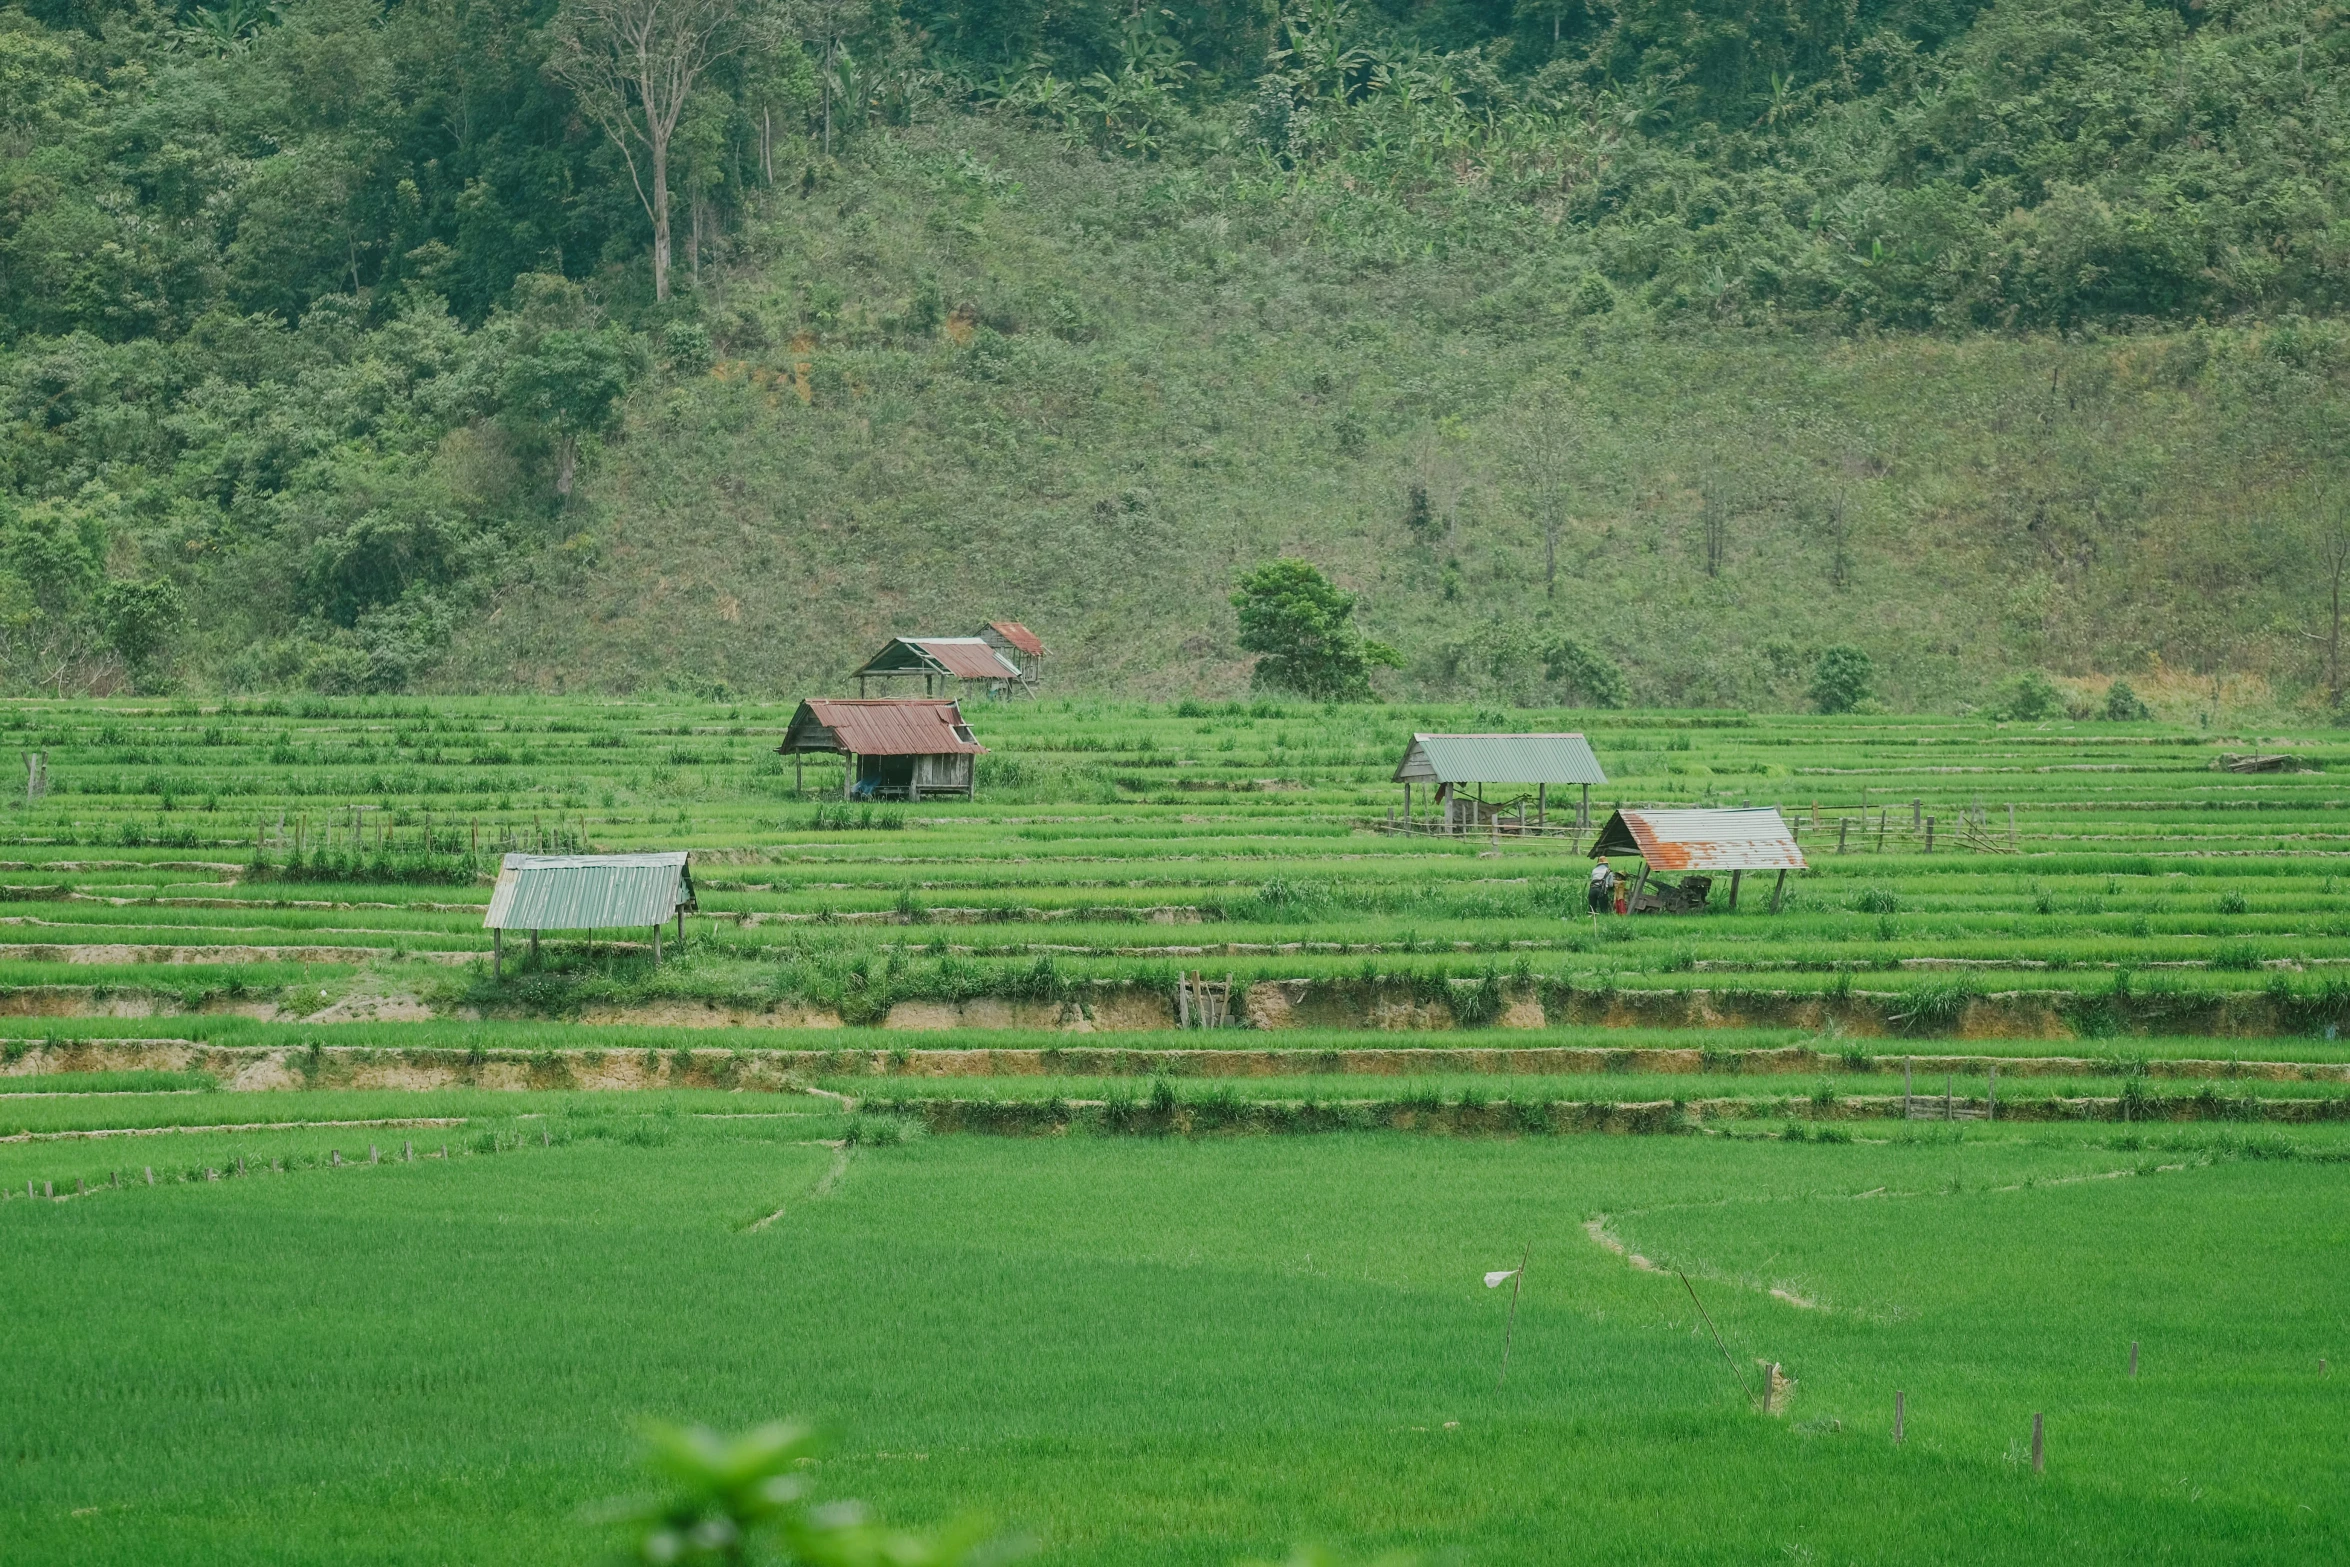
(1991, 1099)
(1898, 1412)
(372, 1156)
(407, 1153)
(2133, 1357)
(48, 1189)
(2039, 1453)
(334, 1156)
(1735, 1373)
(150, 1175)
(1511, 1332)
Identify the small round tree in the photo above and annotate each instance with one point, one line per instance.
(1842, 679)
(1302, 626)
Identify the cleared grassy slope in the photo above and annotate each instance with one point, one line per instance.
(979, 375)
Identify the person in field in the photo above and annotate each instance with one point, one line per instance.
(1604, 883)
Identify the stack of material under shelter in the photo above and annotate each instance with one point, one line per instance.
(1705, 842)
(910, 748)
(939, 662)
(1453, 763)
(538, 892)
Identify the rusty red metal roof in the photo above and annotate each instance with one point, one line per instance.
(1018, 635)
(877, 726)
(1755, 839)
(959, 658)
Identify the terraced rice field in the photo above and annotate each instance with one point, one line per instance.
(326, 1243)
(207, 858)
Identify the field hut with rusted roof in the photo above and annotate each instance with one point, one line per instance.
(1704, 842)
(1019, 645)
(896, 748)
(939, 662)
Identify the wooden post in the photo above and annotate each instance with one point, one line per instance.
(1882, 813)
(498, 953)
(49, 1189)
(334, 1156)
(1641, 886)
(1898, 1412)
(2039, 1453)
(1947, 1102)
(2133, 1358)
(1843, 823)
(150, 1175)
(1183, 999)
(2011, 839)
(1583, 816)
(373, 1157)
(1734, 876)
(799, 775)
(1407, 807)
(848, 762)
(407, 1153)
(1929, 835)
(656, 945)
(1991, 1099)
(1917, 814)
(1778, 891)
(1905, 1094)
(1815, 816)
(681, 927)
(1541, 805)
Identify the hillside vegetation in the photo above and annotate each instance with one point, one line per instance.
(1988, 340)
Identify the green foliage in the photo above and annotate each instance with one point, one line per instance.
(1586, 676)
(1842, 679)
(2032, 696)
(2123, 705)
(748, 1499)
(1303, 626)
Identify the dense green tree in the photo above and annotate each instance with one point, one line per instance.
(1842, 679)
(1303, 626)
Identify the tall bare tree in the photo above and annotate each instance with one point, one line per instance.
(633, 65)
(1547, 450)
(2332, 561)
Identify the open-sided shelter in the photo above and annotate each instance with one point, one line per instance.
(1018, 645)
(898, 748)
(1451, 763)
(1755, 838)
(938, 662)
(538, 892)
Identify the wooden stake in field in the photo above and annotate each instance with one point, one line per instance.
(2039, 1454)
(1735, 1374)
(1899, 1411)
(2133, 1359)
(1517, 1278)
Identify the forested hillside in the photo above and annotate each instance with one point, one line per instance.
(1988, 339)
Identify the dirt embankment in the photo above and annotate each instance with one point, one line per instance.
(253, 1068)
(1369, 1006)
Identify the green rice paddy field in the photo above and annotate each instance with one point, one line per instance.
(409, 1304)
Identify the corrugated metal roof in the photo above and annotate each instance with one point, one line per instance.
(1019, 636)
(1755, 839)
(963, 658)
(881, 726)
(1534, 759)
(588, 891)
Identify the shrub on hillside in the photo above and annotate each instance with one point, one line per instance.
(1589, 677)
(1842, 679)
(2031, 697)
(2124, 706)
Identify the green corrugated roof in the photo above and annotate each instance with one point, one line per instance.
(1523, 759)
(589, 891)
